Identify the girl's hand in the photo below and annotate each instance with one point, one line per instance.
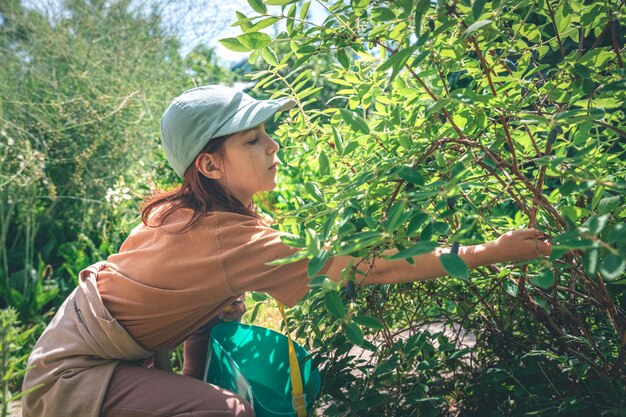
(235, 311)
(520, 245)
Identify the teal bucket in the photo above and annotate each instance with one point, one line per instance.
(253, 362)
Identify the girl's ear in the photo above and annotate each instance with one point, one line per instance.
(209, 165)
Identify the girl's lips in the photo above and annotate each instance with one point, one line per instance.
(274, 166)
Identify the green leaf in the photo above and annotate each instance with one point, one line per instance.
(418, 249)
(324, 163)
(573, 212)
(421, 8)
(475, 27)
(416, 222)
(254, 56)
(293, 241)
(255, 40)
(396, 215)
(477, 8)
(612, 267)
(369, 322)
(582, 71)
(317, 263)
(244, 21)
(334, 305)
(397, 61)
(356, 122)
(313, 243)
(511, 288)
(454, 265)
(258, 6)
(615, 86)
(579, 115)
(255, 312)
(262, 24)
(435, 106)
(382, 14)
(360, 240)
(359, 4)
(304, 10)
(314, 191)
(279, 2)
(591, 260)
(608, 204)
(377, 30)
(234, 44)
(351, 147)
(269, 56)
(343, 58)
(290, 21)
(387, 366)
(318, 281)
(545, 280)
(596, 224)
(617, 233)
(411, 175)
(563, 17)
(354, 333)
(338, 140)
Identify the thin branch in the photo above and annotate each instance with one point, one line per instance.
(505, 125)
(556, 29)
(616, 44)
(613, 128)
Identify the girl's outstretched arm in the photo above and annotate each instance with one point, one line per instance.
(516, 245)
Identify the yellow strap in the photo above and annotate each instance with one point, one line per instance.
(297, 394)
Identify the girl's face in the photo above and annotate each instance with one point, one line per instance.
(248, 164)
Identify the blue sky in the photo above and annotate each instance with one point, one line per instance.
(196, 21)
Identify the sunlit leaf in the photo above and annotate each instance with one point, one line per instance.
(258, 6)
(356, 122)
(234, 44)
(255, 40)
(474, 27)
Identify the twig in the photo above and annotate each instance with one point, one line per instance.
(556, 29)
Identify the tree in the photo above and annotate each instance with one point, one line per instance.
(455, 121)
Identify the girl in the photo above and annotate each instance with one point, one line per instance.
(198, 249)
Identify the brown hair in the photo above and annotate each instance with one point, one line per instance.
(198, 193)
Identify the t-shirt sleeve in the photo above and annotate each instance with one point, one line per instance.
(246, 248)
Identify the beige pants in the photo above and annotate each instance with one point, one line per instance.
(136, 391)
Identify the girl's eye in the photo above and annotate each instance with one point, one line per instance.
(253, 141)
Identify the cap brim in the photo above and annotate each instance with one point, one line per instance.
(253, 115)
(286, 103)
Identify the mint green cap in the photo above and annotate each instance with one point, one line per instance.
(208, 112)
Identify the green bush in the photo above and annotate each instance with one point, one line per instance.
(82, 95)
(14, 342)
(454, 122)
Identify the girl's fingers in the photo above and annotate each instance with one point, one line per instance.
(545, 248)
(534, 234)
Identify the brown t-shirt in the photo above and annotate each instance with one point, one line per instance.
(162, 286)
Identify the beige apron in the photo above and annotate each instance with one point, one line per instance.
(73, 360)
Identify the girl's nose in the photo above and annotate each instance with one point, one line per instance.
(273, 146)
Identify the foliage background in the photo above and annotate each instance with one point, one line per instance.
(419, 124)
